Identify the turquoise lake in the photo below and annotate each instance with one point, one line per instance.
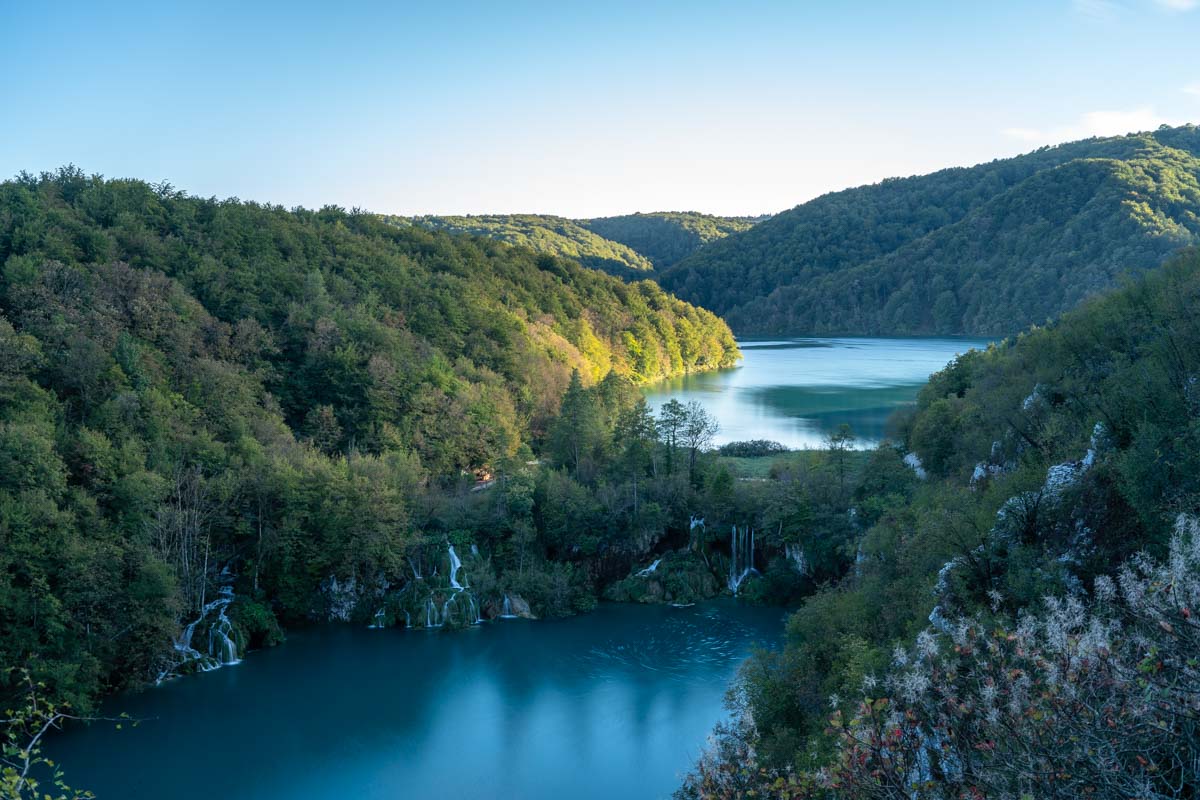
(614, 703)
(795, 391)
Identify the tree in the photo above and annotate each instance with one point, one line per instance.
(838, 443)
(672, 419)
(635, 436)
(699, 428)
(579, 429)
(22, 736)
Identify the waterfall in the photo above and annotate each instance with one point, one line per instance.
(458, 605)
(455, 566)
(221, 649)
(741, 558)
(432, 620)
(795, 554)
(507, 612)
(416, 572)
(645, 573)
(695, 522)
(379, 620)
(220, 643)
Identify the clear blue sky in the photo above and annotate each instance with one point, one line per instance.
(573, 108)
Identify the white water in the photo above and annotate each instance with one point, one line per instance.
(648, 570)
(741, 561)
(455, 566)
(221, 650)
(507, 612)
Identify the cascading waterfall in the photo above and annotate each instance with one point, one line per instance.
(220, 640)
(741, 560)
(507, 612)
(459, 600)
(455, 566)
(221, 649)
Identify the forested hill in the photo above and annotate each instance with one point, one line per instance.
(456, 346)
(543, 234)
(985, 250)
(667, 237)
(627, 246)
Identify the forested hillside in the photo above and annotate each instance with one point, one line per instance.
(232, 413)
(986, 250)
(627, 246)
(1040, 549)
(666, 237)
(541, 233)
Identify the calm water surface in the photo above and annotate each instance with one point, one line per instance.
(616, 703)
(794, 391)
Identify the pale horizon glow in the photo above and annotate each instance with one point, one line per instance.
(579, 111)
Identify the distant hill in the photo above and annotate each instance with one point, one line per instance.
(544, 234)
(626, 246)
(666, 237)
(986, 250)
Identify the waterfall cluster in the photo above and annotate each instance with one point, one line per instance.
(460, 604)
(741, 557)
(220, 649)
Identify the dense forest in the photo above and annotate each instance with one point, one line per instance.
(629, 246)
(1017, 617)
(241, 416)
(986, 250)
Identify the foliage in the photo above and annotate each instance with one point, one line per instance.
(987, 250)
(25, 771)
(1087, 698)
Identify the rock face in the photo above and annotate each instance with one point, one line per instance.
(341, 597)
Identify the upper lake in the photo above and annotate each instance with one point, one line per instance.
(795, 391)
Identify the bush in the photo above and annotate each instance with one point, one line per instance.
(755, 448)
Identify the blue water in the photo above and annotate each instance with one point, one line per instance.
(613, 704)
(795, 391)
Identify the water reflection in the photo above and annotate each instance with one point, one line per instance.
(795, 391)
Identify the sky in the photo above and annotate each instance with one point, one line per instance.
(572, 108)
